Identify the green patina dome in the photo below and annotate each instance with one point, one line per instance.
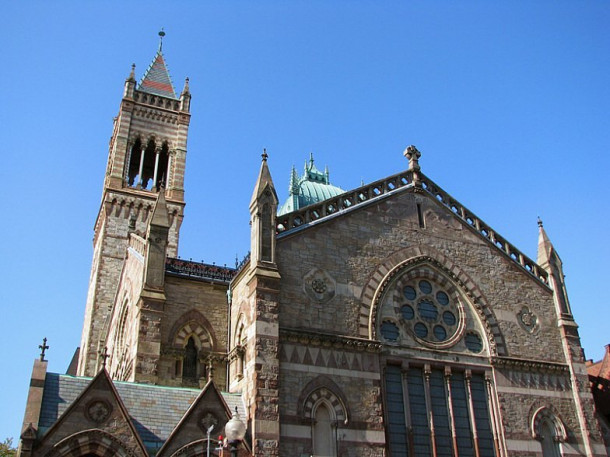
(313, 187)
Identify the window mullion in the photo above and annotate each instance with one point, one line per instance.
(430, 415)
(407, 409)
(451, 415)
(491, 406)
(473, 423)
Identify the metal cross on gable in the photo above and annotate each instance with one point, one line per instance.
(43, 347)
(104, 354)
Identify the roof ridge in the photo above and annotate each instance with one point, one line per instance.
(483, 229)
(350, 200)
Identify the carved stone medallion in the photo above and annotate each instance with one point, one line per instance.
(319, 285)
(98, 411)
(207, 420)
(527, 319)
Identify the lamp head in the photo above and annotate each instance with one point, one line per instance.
(235, 429)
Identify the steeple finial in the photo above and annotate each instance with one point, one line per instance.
(413, 155)
(104, 355)
(43, 347)
(132, 74)
(545, 247)
(264, 155)
(161, 35)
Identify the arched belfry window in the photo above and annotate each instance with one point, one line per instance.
(148, 165)
(161, 166)
(133, 171)
(189, 366)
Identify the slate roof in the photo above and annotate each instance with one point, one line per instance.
(154, 410)
(156, 80)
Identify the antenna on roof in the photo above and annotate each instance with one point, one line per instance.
(161, 35)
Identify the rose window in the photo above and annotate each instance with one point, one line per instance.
(428, 310)
(431, 313)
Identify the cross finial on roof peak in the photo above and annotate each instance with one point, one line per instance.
(161, 35)
(104, 354)
(413, 155)
(264, 155)
(43, 347)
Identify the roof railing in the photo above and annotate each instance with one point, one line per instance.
(291, 221)
(199, 270)
(483, 229)
(352, 198)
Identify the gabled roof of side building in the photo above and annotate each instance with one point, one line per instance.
(155, 410)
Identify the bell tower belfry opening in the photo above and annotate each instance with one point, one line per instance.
(147, 151)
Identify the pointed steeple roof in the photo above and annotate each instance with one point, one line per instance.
(156, 79)
(160, 216)
(545, 247)
(264, 181)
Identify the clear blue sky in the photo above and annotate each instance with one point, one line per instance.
(507, 101)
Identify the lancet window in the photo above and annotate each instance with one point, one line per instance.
(326, 411)
(266, 233)
(192, 348)
(189, 367)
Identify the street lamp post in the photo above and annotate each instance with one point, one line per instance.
(208, 433)
(235, 430)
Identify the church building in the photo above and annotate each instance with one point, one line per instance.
(408, 327)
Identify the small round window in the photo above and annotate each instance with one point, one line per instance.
(389, 331)
(473, 342)
(408, 312)
(425, 287)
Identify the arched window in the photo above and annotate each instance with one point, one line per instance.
(324, 427)
(266, 234)
(133, 177)
(240, 342)
(161, 164)
(435, 409)
(327, 412)
(549, 430)
(550, 445)
(189, 367)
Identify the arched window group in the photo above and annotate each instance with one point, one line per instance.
(148, 165)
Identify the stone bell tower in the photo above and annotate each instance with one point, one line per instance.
(147, 151)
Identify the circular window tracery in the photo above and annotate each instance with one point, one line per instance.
(431, 312)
